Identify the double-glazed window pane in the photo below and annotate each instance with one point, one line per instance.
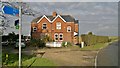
(61, 37)
(56, 37)
(44, 26)
(68, 29)
(34, 29)
(58, 25)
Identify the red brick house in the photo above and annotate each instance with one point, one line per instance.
(58, 27)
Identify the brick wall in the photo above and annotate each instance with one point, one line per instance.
(51, 29)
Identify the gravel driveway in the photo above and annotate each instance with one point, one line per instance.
(69, 57)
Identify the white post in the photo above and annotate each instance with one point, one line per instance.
(82, 44)
(20, 22)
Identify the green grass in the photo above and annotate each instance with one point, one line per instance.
(26, 61)
(43, 62)
(33, 62)
(94, 47)
(13, 58)
(100, 45)
(113, 38)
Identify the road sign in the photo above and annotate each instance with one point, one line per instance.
(10, 10)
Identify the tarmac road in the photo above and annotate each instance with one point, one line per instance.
(108, 56)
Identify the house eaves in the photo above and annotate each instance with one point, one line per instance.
(57, 17)
(44, 16)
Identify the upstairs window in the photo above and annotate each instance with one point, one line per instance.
(56, 37)
(44, 26)
(58, 25)
(69, 29)
(34, 29)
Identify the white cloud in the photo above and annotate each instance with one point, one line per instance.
(90, 14)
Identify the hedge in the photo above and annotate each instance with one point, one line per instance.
(93, 39)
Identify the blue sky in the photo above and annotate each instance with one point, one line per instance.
(99, 17)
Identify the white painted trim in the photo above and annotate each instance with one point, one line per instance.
(57, 17)
(2, 9)
(42, 18)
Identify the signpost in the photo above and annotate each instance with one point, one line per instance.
(20, 28)
(15, 12)
(10, 10)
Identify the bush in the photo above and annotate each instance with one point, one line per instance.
(41, 43)
(69, 44)
(66, 44)
(63, 44)
(47, 38)
(90, 33)
(37, 43)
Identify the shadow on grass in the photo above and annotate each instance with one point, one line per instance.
(11, 59)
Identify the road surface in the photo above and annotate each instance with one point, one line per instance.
(108, 56)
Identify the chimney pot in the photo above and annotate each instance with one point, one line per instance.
(54, 14)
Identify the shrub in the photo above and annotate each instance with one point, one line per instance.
(41, 44)
(37, 43)
(63, 44)
(66, 44)
(69, 44)
(47, 38)
(90, 33)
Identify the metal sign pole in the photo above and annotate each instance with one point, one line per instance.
(20, 22)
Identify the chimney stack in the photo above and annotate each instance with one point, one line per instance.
(54, 14)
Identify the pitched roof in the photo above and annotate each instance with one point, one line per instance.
(50, 17)
(67, 18)
(36, 19)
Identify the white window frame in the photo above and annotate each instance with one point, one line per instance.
(56, 37)
(69, 28)
(46, 25)
(34, 29)
(58, 25)
(60, 36)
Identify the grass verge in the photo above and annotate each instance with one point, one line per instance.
(100, 45)
(95, 47)
(27, 61)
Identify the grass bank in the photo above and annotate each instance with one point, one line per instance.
(27, 61)
(95, 47)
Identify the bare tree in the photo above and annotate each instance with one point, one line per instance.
(4, 19)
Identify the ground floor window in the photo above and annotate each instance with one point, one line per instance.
(56, 37)
(61, 37)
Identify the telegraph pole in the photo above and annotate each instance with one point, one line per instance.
(20, 30)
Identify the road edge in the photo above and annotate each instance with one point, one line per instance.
(100, 50)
